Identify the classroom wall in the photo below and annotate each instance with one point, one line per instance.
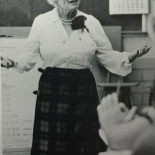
(130, 42)
(135, 41)
(144, 68)
(14, 13)
(143, 73)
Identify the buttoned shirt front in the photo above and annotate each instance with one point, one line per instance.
(49, 40)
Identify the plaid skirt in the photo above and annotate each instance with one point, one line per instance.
(66, 121)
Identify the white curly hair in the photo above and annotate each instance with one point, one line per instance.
(52, 2)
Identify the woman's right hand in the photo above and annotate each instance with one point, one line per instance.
(5, 62)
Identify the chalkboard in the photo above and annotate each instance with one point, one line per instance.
(23, 12)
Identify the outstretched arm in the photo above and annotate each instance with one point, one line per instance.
(116, 62)
(138, 53)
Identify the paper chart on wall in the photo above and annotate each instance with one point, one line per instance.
(18, 101)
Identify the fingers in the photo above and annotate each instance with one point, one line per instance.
(123, 107)
(111, 102)
(7, 63)
(131, 114)
(100, 107)
(150, 112)
(143, 51)
(11, 64)
(108, 102)
(103, 104)
(114, 99)
(2, 65)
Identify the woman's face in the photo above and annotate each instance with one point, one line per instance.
(68, 4)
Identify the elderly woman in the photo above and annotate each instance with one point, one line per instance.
(66, 39)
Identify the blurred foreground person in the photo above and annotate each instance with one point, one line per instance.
(121, 127)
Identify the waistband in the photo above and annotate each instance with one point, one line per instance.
(64, 70)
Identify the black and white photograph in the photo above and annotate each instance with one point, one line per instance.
(77, 77)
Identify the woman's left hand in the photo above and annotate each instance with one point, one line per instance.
(138, 53)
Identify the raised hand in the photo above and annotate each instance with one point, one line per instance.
(138, 53)
(111, 112)
(7, 62)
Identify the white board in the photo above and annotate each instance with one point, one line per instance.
(18, 100)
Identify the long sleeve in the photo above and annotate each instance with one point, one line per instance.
(115, 61)
(29, 56)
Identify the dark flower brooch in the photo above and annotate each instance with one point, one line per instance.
(79, 23)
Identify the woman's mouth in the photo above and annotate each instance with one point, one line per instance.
(73, 1)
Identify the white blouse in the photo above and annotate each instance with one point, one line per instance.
(49, 40)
